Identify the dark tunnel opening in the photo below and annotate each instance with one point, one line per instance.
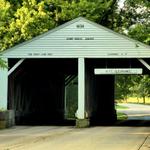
(100, 92)
(36, 90)
(45, 91)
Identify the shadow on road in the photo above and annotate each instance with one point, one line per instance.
(138, 123)
(129, 123)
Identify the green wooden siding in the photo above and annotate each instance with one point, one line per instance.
(79, 38)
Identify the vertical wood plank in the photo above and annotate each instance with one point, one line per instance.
(81, 88)
(3, 87)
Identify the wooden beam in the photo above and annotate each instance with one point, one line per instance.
(3, 87)
(15, 66)
(81, 89)
(144, 63)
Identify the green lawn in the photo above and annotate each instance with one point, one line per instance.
(120, 107)
(136, 100)
(121, 116)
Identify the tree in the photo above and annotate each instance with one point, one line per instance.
(134, 20)
(3, 64)
(25, 19)
(123, 86)
(143, 89)
(132, 85)
(28, 20)
(140, 32)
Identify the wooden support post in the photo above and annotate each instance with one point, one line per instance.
(7, 117)
(3, 87)
(16, 66)
(81, 89)
(81, 120)
(145, 63)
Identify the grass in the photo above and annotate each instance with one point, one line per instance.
(121, 116)
(136, 100)
(121, 107)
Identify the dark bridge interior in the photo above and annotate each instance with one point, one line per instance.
(37, 89)
(100, 90)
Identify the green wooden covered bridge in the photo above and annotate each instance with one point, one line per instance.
(79, 54)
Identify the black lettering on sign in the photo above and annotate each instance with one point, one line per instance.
(69, 38)
(43, 54)
(112, 54)
(77, 38)
(49, 54)
(124, 54)
(89, 38)
(36, 54)
(30, 54)
(80, 26)
(39, 54)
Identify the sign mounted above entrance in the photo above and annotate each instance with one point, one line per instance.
(118, 71)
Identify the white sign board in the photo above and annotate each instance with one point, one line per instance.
(118, 71)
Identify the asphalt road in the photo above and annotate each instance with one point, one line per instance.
(71, 138)
(136, 111)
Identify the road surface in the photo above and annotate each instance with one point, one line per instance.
(71, 138)
(136, 111)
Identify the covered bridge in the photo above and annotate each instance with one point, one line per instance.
(80, 53)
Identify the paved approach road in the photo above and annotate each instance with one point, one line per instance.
(136, 111)
(71, 138)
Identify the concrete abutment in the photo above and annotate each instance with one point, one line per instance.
(7, 119)
(82, 123)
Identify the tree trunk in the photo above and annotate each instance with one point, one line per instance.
(125, 99)
(143, 99)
